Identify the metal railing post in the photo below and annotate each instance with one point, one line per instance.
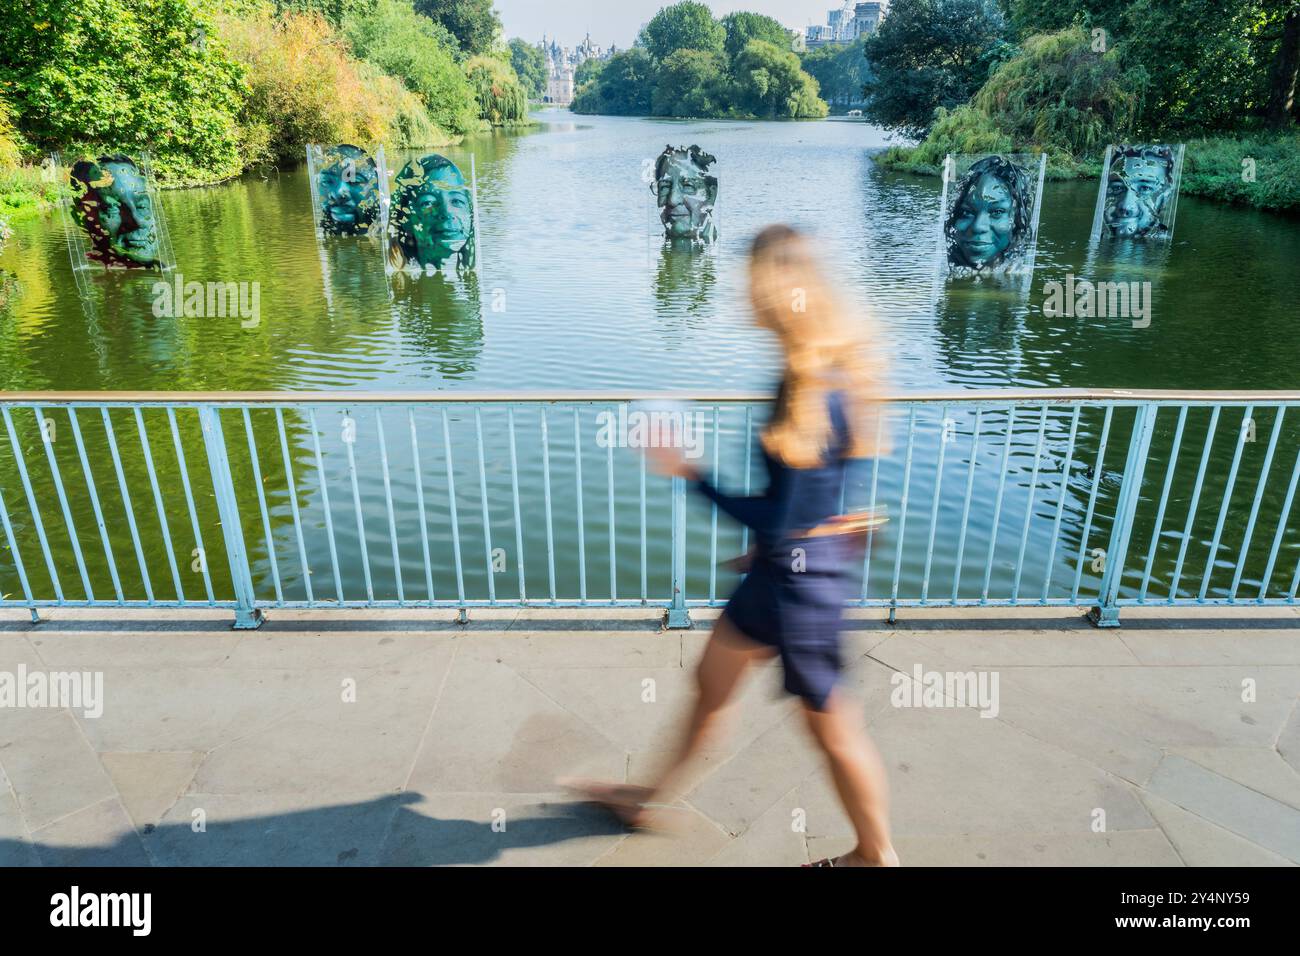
(1106, 612)
(677, 615)
(247, 617)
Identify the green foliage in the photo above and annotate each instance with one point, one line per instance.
(421, 54)
(134, 74)
(690, 83)
(683, 26)
(841, 72)
(501, 98)
(1214, 168)
(623, 88)
(529, 63)
(474, 23)
(335, 11)
(929, 54)
(770, 84)
(741, 27)
(11, 143)
(1060, 95)
(587, 71)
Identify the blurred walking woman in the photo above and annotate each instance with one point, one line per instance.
(800, 570)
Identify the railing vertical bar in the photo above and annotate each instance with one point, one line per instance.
(293, 505)
(1259, 497)
(48, 442)
(1060, 505)
(1164, 501)
(1029, 505)
(126, 501)
(934, 505)
(349, 441)
(582, 522)
(325, 502)
(99, 511)
(31, 502)
(713, 515)
(261, 504)
(1281, 529)
(871, 506)
(189, 503)
(644, 596)
(514, 489)
(1192, 505)
(18, 558)
(451, 501)
(997, 508)
(749, 455)
(965, 508)
(1105, 613)
(1227, 499)
(158, 504)
(388, 502)
(247, 615)
(1092, 502)
(419, 503)
(613, 538)
(546, 495)
(902, 508)
(483, 496)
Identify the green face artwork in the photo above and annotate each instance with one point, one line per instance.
(433, 216)
(349, 192)
(1140, 184)
(989, 223)
(686, 194)
(117, 212)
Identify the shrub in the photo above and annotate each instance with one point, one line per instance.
(502, 99)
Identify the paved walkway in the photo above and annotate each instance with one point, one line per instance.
(400, 738)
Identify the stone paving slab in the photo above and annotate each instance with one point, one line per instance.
(398, 737)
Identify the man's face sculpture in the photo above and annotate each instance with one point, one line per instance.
(433, 217)
(989, 216)
(1137, 192)
(686, 193)
(349, 192)
(116, 210)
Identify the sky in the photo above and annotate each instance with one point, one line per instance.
(617, 21)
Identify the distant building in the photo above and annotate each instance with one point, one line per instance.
(866, 19)
(847, 25)
(562, 64)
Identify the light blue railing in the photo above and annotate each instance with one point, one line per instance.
(1033, 498)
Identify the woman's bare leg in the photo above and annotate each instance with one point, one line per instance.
(726, 658)
(859, 777)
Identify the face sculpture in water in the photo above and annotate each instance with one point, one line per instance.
(348, 187)
(433, 216)
(988, 229)
(117, 212)
(1139, 186)
(686, 193)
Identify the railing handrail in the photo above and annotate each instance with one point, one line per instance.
(343, 397)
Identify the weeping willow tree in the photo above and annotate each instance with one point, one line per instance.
(502, 99)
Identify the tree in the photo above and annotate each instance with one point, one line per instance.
(502, 99)
(421, 54)
(587, 71)
(770, 84)
(840, 71)
(682, 26)
(1283, 104)
(530, 64)
(690, 83)
(623, 88)
(741, 27)
(929, 54)
(474, 23)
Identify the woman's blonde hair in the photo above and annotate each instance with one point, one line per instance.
(824, 349)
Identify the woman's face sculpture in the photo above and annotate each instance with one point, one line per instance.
(433, 218)
(117, 212)
(1137, 193)
(349, 192)
(686, 193)
(984, 221)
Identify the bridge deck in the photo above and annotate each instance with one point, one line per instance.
(455, 728)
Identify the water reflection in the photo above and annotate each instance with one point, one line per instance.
(441, 316)
(684, 283)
